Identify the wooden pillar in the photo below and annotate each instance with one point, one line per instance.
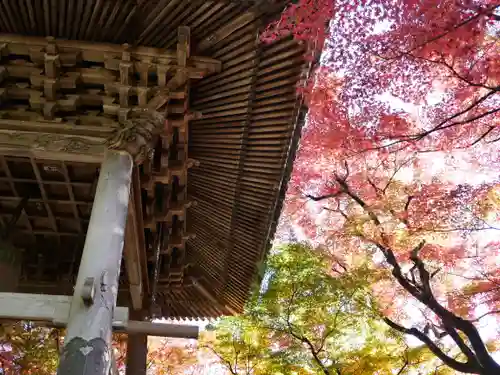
(10, 266)
(137, 349)
(87, 346)
(10, 257)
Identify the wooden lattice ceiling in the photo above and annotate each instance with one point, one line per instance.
(214, 187)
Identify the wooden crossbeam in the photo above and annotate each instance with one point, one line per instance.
(53, 310)
(53, 66)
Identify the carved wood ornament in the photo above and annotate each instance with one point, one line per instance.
(139, 134)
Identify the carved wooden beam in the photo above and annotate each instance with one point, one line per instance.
(52, 140)
(52, 146)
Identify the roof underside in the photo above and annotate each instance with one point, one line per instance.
(250, 117)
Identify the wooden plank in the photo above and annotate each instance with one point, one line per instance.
(165, 330)
(53, 127)
(131, 254)
(226, 30)
(211, 298)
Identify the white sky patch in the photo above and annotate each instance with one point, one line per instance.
(382, 27)
(398, 104)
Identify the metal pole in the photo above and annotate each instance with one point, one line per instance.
(87, 346)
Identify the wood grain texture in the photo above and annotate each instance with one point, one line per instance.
(236, 115)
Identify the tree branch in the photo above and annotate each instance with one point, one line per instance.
(478, 357)
(494, 312)
(303, 339)
(454, 364)
(227, 362)
(323, 197)
(405, 365)
(482, 12)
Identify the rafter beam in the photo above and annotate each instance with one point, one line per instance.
(211, 298)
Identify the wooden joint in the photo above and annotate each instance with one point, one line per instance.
(51, 47)
(126, 52)
(50, 87)
(193, 115)
(139, 132)
(178, 210)
(4, 50)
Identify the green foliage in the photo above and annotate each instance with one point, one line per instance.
(307, 320)
(241, 346)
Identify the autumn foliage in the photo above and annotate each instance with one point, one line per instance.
(442, 61)
(398, 161)
(396, 182)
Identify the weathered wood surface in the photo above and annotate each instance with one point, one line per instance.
(242, 141)
(87, 343)
(53, 310)
(72, 51)
(132, 249)
(53, 145)
(137, 349)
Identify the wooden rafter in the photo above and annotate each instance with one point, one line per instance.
(87, 98)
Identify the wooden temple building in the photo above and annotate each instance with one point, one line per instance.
(208, 116)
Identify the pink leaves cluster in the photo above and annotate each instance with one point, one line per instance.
(306, 20)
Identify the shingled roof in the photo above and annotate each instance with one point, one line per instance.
(245, 121)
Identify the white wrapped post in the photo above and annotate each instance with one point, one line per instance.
(87, 346)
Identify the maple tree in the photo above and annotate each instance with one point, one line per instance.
(383, 55)
(309, 319)
(166, 358)
(405, 86)
(383, 221)
(240, 346)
